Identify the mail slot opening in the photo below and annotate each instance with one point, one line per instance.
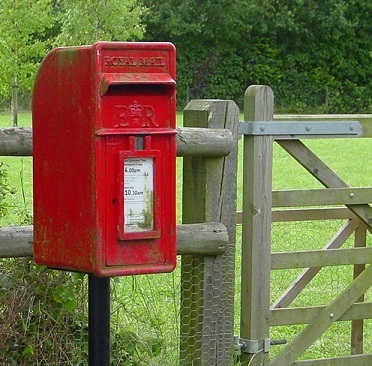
(138, 89)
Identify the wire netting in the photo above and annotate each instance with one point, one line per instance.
(320, 291)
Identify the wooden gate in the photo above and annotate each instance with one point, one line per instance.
(258, 314)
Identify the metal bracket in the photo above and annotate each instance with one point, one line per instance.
(251, 346)
(301, 128)
(245, 346)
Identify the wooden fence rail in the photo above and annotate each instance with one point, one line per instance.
(196, 239)
(190, 142)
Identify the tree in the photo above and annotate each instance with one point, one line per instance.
(316, 55)
(87, 21)
(23, 42)
(206, 34)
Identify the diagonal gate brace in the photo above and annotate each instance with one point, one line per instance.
(325, 319)
(315, 166)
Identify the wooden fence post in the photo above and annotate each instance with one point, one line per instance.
(256, 229)
(207, 284)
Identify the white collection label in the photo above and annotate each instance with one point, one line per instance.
(138, 194)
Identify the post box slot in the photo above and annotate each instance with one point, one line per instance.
(138, 89)
(135, 80)
(139, 143)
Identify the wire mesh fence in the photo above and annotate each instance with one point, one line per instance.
(320, 291)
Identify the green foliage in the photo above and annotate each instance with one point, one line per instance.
(23, 28)
(65, 296)
(315, 55)
(88, 21)
(44, 320)
(29, 29)
(130, 349)
(39, 323)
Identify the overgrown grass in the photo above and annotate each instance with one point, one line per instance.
(20, 177)
(145, 309)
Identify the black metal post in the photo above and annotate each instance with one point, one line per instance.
(99, 321)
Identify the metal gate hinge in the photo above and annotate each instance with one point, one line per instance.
(252, 346)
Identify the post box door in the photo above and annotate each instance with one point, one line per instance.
(139, 174)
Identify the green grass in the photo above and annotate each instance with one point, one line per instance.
(19, 176)
(149, 305)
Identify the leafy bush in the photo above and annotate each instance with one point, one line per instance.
(44, 320)
(41, 321)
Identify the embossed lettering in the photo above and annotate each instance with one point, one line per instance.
(119, 61)
(151, 61)
(115, 61)
(135, 115)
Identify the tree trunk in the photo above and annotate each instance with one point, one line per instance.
(14, 103)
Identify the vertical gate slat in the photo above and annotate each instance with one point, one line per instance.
(357, 336)
(256, 225)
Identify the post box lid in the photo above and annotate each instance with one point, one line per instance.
(109, 79)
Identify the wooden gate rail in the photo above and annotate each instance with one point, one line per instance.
(293, 316)
(308, 214)
(324, 175)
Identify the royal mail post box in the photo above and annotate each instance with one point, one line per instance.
(104, 159)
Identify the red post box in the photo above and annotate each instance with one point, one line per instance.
(104, 147)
